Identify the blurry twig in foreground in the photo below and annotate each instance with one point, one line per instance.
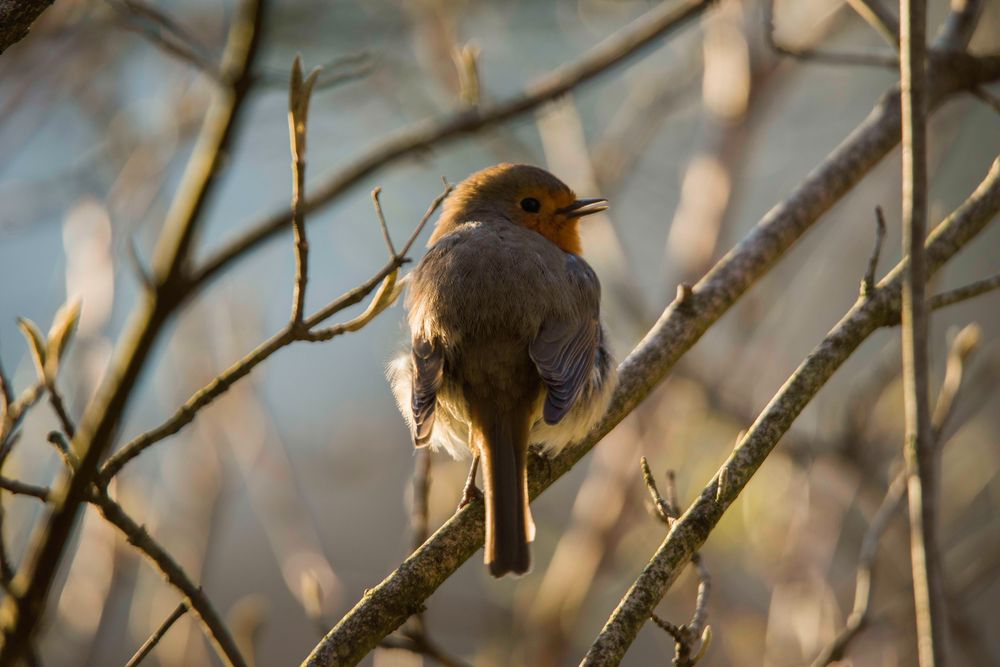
(154, 639)
(22, 612)
(922, 464)
(387, 605)
(986, 96)
(167, 34)
(878, 17)
(697, 632)
(962, 347)
(813, 55)
(957, 29)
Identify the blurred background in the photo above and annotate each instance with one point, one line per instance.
(290, 495)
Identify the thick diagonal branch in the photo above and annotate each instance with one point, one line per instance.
(868, 314)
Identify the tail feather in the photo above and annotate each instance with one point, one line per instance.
(502, 442)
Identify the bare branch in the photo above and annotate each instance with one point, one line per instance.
(665, 512)
(299, 93)
(70, 460)
(965, 343)
(880, 18)
(965, 292)
(814, 55)
(381, 221)
(166, 34)
(919, 451)
(987, 97)
(154, 639)
(696, 632)
(962, 346)
(24, 489)
(140, 538)
(868, 284)
(858, 619)
(959, 26)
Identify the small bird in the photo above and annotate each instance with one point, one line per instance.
(507, 346)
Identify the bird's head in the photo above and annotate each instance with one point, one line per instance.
(525, 195)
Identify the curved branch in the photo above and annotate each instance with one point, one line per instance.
(868, 314)
(435, 132)
(402, 592)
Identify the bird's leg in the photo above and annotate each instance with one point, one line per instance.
(470, 492)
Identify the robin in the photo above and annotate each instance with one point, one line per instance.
(507, 347)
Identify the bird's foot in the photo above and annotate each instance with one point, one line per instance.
(470, 493)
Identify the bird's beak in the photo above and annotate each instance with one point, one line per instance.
(582, 207)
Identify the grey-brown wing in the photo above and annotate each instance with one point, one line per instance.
(566, 347)
(428, 371)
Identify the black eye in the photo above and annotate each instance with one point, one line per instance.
(531, 205)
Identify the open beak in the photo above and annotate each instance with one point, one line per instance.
(582, 207)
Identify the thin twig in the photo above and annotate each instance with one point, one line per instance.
(964, 344)
(384, 280)
(817, 56)
(921, 460)
(6, 394)
(339, 70)
(376, 193)
(868, 284)
(14, 414)
(696, 632)
(139, 537)
(665, 512)
(965, 292)
(154, 639)
(987, 97)
(961, 347)
(70, 460)
(960, 24)
(858, 618)
(59, 407)
(421, 645)
(879, 17)
(25, 489)
(299, 93)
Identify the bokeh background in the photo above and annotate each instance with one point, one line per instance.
(290, 495)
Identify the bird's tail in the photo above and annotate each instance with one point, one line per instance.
(502, 441)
